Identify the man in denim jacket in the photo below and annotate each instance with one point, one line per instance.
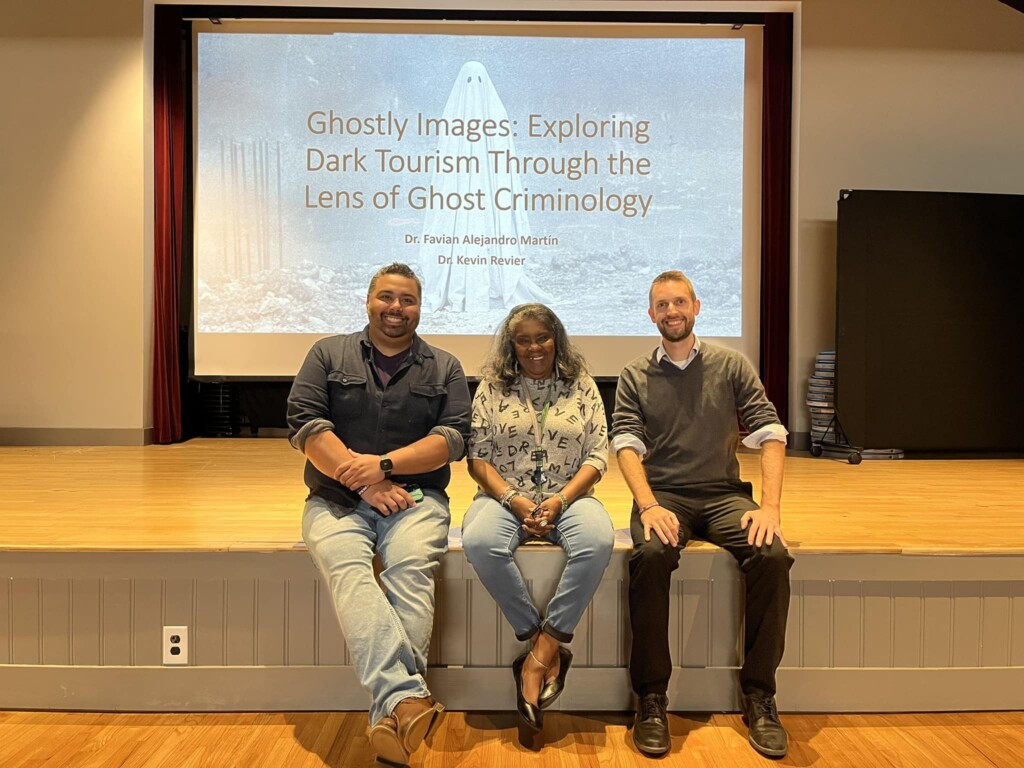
(379, 415)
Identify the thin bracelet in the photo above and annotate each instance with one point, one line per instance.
(564, 500)
(507, 497)
(645, 507)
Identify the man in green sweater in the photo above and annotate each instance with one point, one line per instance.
(675, 435)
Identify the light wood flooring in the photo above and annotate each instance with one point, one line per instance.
(247, 494)
(338, 739)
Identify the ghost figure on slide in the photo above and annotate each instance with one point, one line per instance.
(468, 279)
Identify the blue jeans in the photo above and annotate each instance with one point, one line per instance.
(388, 633)
(491, 534)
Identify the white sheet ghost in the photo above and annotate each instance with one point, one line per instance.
(459, 287)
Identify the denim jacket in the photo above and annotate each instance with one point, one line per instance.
(338, 389)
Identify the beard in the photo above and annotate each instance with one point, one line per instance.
(678, 334)
(407, 326)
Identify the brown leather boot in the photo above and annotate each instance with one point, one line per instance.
(416, 718)
(385, 742)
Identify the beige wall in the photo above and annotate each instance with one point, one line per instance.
(896, 94)
(73, 330)
(901, 94)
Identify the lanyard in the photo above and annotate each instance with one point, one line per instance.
(539, 454)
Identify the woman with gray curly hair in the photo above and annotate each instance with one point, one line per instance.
(539, 444)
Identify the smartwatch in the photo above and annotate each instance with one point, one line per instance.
(386, 466)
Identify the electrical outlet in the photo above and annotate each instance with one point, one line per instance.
(175, 645)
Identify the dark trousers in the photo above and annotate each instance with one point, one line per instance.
(711, 512)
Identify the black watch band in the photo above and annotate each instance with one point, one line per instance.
(386, 466)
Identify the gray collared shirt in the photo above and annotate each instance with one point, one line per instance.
(338, 389)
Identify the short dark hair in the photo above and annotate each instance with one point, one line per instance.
(671, 276)
(402, 270)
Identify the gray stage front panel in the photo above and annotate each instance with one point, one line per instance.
(479, 633)
(55, 627)
(207, 617)
(240, 623)
(85, 621)
(251, 611)
(996, 616)
(146, 611)
(967, 623)
(847, 612)
(1017, 625)
(116, 625)
(26, 640)
(937, 643)
(695, 623)
(607, 634)
(877, 631)
(908, 614)
(6, 635)
(816, 618)
(271, 622)
(301, 597)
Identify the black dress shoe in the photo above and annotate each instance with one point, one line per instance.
(650, 728)
(766, 734)
(553, 689)
(532, 715)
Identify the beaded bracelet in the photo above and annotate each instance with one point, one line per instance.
(506, 498)
(564, 500)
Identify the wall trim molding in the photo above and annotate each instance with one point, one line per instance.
(287, 689)
(38, 436)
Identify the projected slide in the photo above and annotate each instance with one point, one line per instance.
(503, 169)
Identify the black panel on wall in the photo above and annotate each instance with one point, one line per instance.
(930, 325)
(243, 408)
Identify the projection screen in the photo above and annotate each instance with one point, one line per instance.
(505, 162)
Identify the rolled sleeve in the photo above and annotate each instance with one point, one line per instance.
(453, 423)
(629, 441)
(627, 418)
(308, 430)
(756, 411)
(456, 443)
(766, 433)
(308, 406)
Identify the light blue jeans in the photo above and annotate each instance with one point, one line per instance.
(388, 633)
(491, 534)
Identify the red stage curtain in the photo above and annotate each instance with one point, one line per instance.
(169, 173)
(776, 164)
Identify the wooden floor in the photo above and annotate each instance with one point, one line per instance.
(338, 739)
(247, 494)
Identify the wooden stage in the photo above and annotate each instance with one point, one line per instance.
(247, 495)
(907, 591)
